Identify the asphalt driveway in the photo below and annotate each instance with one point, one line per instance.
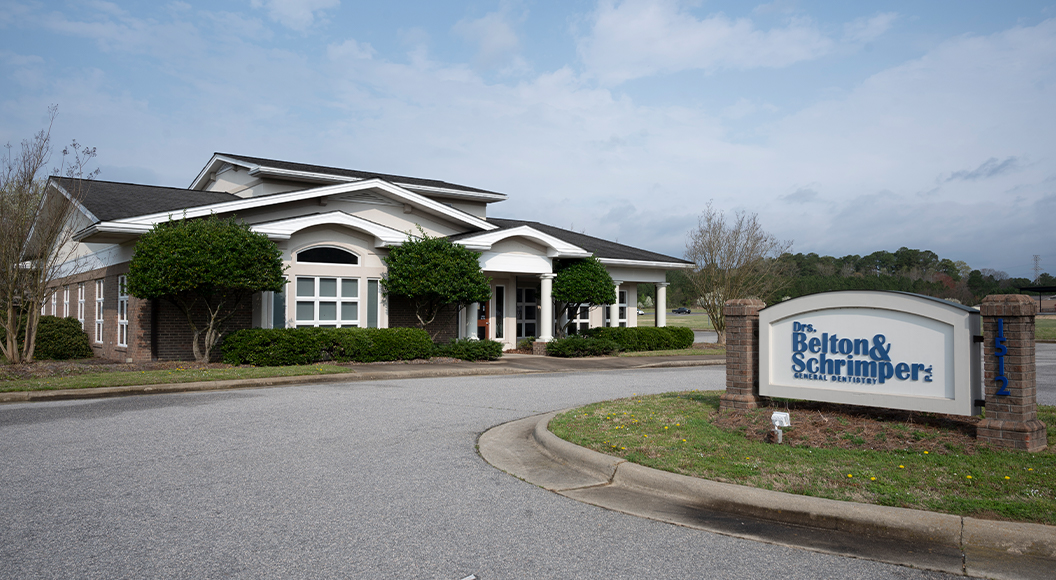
(356, 480)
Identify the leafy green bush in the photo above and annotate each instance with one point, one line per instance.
(377, 344)
(579, 345)
(273, 347)
(469, 349)
(61, 339)
(298, 346)
(526, 343)
(644, 338)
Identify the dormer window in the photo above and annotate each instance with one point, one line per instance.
(327, 255)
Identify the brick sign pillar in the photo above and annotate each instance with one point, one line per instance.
(742, 354)
(1009, 374)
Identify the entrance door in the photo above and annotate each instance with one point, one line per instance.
(483, 320)
(526, 313)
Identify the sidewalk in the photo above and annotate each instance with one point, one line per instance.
(958, 545)
(507, 365)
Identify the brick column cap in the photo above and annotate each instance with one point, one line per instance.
(743, 307)
(1008, 305)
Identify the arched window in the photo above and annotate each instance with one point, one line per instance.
(327, 255)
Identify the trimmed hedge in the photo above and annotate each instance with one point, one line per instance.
(644, 338)
(299, 346)
(61, 339)
(471, 350)
(579, 345)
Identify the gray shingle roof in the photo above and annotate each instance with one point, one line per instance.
(597, 246)
(111, 200)
(291, 166)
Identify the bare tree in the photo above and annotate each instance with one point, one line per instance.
(35, 232)
(734, 259)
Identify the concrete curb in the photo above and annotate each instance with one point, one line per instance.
(949, 543)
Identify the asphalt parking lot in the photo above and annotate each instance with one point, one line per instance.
(375, 479)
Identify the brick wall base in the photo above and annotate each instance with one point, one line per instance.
(443, 329)
(1012, 419)
(742, 355)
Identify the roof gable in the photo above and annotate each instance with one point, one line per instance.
(312, 174)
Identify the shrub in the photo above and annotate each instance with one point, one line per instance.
(61, 339)
(298, 346)
(469, 349)
(582, 345)
(272, 347)
(645, 338)
(526, 343)
(378, 344)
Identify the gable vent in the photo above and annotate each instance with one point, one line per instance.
(364, 197)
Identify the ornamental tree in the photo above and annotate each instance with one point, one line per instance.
(36, 232)
(206, 268)
(734, 258)
(580, 283)
(433, 273)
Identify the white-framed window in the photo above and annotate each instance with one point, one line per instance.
(122, 311)
(80, 304)
(54, 301)
(580, 319)
(373, 302)
(499, 298)
(65, 301)
(99, 311)
(329, 302)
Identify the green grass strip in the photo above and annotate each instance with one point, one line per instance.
(673, 432)
(177, 375)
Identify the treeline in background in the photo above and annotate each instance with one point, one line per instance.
(906, 270)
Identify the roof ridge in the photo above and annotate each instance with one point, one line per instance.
(362, 174)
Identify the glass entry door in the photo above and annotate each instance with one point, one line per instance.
(526, 313)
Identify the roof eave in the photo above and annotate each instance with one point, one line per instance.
(654, 264)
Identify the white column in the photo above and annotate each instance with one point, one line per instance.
(546, 306)
(614, 309)
(471, 321)
(661, 304)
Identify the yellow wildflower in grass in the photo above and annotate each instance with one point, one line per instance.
(872, 479)
(1007, 477)
(850, 475)
(968, 476)
(925, 453)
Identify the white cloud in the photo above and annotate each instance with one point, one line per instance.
(494, 35)
(350, 49)
(864, 30)
(299, 15)
(915, 155)
(639, 38)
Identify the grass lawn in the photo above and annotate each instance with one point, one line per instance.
(696, 321)
(1045, 328)
(157, 377)
(919, 464)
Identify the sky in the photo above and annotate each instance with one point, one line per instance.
(848, 127)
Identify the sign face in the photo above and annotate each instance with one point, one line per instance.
(878, 349)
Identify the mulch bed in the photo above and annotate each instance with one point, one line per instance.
(828, 425)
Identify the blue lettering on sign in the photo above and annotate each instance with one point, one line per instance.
(836, 361)
(1000, 350)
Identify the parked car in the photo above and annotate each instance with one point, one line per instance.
(641, 312)
(682, 310)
